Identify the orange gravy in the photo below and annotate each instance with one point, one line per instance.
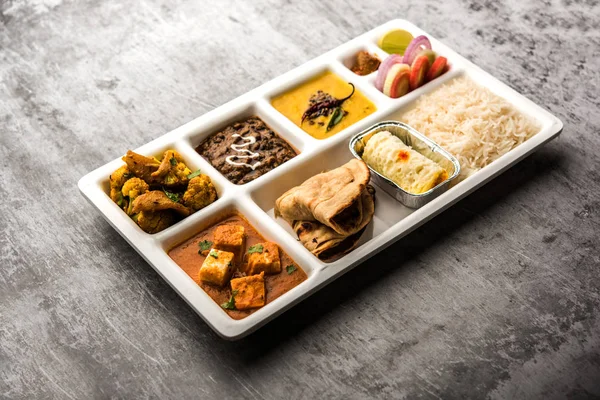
(187, 257)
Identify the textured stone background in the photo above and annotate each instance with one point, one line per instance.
(498, 297)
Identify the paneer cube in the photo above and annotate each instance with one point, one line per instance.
(217, 267)
(263, 257)
(249, 291)
(231, 238)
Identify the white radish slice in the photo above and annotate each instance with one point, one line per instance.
(397, 82)
(385, 66)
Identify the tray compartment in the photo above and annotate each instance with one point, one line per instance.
(348, 58)
(455, 62)
(387, 210)
(244, 208)
(258, 109)
(157, 150)
(341, 73)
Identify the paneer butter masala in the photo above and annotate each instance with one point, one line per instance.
(237, 267)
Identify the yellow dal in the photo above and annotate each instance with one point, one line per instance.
(292, 104)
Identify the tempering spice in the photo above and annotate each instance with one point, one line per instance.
(324, 104)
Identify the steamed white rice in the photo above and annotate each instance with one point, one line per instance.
(471, 123)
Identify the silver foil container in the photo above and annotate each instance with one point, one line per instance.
(419, 142)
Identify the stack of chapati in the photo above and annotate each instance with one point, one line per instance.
(330, 211)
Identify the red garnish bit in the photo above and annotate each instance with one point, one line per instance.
(403, 155)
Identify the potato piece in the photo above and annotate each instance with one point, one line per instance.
(231, 238)
(250, 291)
(217, 267)
(157, 200)
(141, 166)
(263, 257)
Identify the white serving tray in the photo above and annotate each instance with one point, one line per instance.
(256, 199)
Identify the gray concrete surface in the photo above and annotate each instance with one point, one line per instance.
(498, 297)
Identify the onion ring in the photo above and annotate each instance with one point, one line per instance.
(414, 48)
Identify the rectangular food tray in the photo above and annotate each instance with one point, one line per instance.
(255, 200)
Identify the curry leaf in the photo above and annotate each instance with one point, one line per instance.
(336, 117)
(173, 161)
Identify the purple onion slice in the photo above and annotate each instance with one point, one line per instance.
(414, 48)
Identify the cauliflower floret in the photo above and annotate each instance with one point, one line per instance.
(178, 175)
(117, 180)
(172, 170)
(200, 193)
(133, 188)
(153, 222)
